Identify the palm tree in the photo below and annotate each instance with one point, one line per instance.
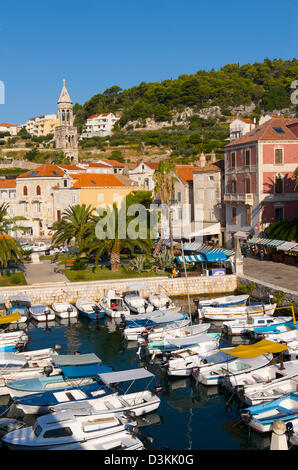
(10, 249)
(74, 226)
(113, 242)
(164, 180)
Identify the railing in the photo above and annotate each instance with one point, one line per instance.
(246, 198)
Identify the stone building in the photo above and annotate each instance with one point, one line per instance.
(66, 137)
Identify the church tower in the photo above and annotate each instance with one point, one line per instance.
(66, 137)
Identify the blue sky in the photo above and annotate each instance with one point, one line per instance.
(95, 44)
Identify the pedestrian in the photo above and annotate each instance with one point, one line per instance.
(261, 255)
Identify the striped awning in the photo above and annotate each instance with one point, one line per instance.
(191, 259)
(258, 241)
(275, 243)
(287, 246)
(201, 248)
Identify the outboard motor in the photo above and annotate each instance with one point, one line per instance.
(122, 324)
(289, 429)
(48, 370)
(143, 350)
(20, 346)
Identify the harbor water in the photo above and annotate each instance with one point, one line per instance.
(190, 416)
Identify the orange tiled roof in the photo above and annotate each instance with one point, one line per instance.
(185, 172)
(266, 131)
(249, 121)
(93, 180)
(8, 183)
(70, 167)
(4, 124)
(114, 163)
(48, 171)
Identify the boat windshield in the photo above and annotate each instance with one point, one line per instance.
(37, 430)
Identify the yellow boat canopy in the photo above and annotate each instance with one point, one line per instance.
(9, 318)
(257, 349)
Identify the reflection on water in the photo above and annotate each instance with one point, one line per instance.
(189, 416)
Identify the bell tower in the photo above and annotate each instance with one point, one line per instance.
(66, 137)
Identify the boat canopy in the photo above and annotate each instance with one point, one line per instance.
(255, 350)
(75, 359)
(8, 359)
(20, 298)
(125, 375)
(88, 370)
(9, 318)
(193, 340)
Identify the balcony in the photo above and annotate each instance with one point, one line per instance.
(246, 198)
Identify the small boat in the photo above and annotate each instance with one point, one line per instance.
(123, 440)
(41, 313)
(64, 428)
(157, 319)
(139, 403)
(136, 303)
(210, 341)
(64, 310)
(13, 341)
(161, 301)
(244, 326)
(266, 392)
(88, 308)
(285, 332)
(183, 362)
(17, 366)
(227, 301)
(232, 313)
(74, 370)
(261, 417)
(236, 369)
(174, 331)
(113, 305)
(20, 304)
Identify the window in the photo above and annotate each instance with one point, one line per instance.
(25, 191)
(234, 215)
(279, 130)
(278, 184)
(233, 159)
(201, 194)
(278, 156)
(211, 194)
(278, 213)
(58, 432)
(233, 187)
(65, 183)
(247, 157)
(248, 215)
(179, 197)
(100, 197)
(211, 178)
(38, 192)
(247, 185)
(180, 214)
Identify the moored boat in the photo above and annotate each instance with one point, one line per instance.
(64, 310)
(113, 305)
(232, 313)
(41, 313)
(88, 308)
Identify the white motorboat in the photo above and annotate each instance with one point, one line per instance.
(232, 313)
(40, 247)
(113, 305)
(284, 332)
(235, 370)
(243, 326)
(157, 321)
(161, 301)
(41, 313)
(64, 428)
(173, 331)
(123, 440)
(266, 392)
(182, 362)
(226, 301)
(136, 303)
(254, 382)
(17, 366)
(261, 417)
(13, 340)
(64, 310)
(88, 308)
(139, 403)
(206, 341)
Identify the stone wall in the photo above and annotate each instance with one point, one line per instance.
(70, 292)
(262, 290)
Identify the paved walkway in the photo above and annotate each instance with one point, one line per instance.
(271, 272)
(42, 272)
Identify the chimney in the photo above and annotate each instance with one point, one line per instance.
(212, 157)
(202, 159)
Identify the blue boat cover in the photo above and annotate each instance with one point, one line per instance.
(214, 256)
(88, 370)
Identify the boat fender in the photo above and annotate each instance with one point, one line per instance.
(157, 389)
(246, 416)
(48, 370)
(57, 348)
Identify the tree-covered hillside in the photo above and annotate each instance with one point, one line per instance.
(267, 84)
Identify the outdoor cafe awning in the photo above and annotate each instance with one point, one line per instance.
(255, 350)
(191, 259)
(278, 244)
(203, 257)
